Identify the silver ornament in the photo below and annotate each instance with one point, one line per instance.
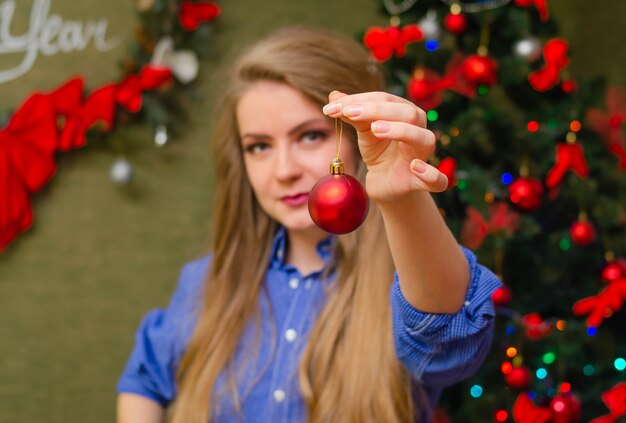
(528, 48)
(430, 26)
(121, 171)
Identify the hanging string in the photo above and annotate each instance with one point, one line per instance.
(339, 138)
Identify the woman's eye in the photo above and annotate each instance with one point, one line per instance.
(256, 148)
(312, 136)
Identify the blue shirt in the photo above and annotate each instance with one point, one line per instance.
(437, 349)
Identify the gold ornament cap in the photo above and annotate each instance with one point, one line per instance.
(336, 167)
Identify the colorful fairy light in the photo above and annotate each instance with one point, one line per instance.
(432, 45)
(476, 391)
(511, 352)
(541, 373)
(501, 416)
(561, 325)
(432, 115)
(483, 90)
(565, 244)
(549, 357)
(592, 330)
(506, 368)
(507, 178)
(575, 126)
(532, 126)
(620, 364)
(565, 387)
(588, 370)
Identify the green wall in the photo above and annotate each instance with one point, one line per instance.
(74, 287)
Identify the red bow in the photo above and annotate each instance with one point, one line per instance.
(568, 156)
(27, 147)
(426, 87)
(607, 302)
(555, 57)
(448, 166)
(524, 411)
(609, 125)
(79, 116)
(128, 92)
(193, 14)
(541, 5)
(385, 42)
(615, 400)
(475, 228)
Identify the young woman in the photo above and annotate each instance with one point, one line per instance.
(284, 323)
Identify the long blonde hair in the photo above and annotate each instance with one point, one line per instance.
(349, 371)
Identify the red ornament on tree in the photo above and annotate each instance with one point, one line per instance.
(455, 23)
(480, 70)
(338, 202)
(501, 296)
(614, 270)
(565, 408)
(582, 232)
(518, 378)
(526, 193)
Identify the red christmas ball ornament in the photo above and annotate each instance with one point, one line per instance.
(526, 193)
(582, 232)
(565, 409)
(501, 296)
(338, 202)
(480, 70)
(455, 23)
(518, 378)
(614, 270)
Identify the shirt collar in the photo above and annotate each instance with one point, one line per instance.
(279, 248)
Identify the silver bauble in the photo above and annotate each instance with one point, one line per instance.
(528, 48)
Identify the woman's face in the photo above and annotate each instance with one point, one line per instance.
(288, 145)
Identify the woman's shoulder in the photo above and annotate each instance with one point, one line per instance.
(192, 276)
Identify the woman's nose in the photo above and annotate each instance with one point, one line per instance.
(287, 164)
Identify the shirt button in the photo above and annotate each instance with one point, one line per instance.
(293, 283)
(279, 395)
(290, 335)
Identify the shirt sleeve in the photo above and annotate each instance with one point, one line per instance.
(162, 338)
(442, 349)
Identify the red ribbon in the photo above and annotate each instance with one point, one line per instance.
(615, 400)
(426, 87)
(609, 124)
(80, 116)
(524, 411)
(568, 156)
(448, 166)
(27, 147)
(555, 57)
(475, 228)
(385, 42)
(611, 298)
(193, 14)
(128, 92)
(541, 5)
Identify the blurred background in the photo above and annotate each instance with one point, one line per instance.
(100, 254)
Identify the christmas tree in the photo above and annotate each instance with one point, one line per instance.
(536, 160)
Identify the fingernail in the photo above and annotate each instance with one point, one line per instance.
(353, 111)
(331, 108)
(381, 127)
(418, 166)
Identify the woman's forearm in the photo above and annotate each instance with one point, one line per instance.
(431, 266)
(133, 408)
